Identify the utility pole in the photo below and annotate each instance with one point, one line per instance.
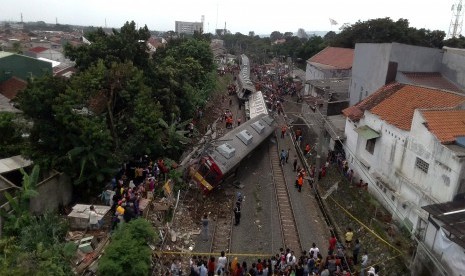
(321, 126)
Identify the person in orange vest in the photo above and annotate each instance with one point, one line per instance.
(300, 182)
(283, 131)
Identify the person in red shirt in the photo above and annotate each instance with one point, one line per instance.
(307, 149)
(332, 244)
(211, 266)
(283, 131)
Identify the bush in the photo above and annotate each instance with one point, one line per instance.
(128, 252)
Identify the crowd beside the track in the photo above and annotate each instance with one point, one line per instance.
(284, 263)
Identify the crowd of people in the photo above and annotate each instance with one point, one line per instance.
(134, 181)
(284, 263)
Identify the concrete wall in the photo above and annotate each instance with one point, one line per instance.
(371, 61)
(453, 66)
(416, 58)
(54, 191)
(369, 69)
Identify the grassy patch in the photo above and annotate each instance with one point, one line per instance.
(365, 211)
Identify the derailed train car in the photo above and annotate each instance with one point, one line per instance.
(221, 160)
(244, 85)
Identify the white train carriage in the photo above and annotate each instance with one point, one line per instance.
(245, 86)
(256, 105)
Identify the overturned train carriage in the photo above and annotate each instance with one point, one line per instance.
(244, 85)
(222, 159)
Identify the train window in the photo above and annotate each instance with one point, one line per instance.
(245, 137)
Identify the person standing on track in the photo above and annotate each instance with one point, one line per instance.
(307, 150)
(282, 157)
(237, 213)
(332, 244)
(205, 222)
(294, 163)
(300, 182)
(283, 131)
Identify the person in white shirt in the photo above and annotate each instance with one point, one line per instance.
(93, 218)
(364, 263)
(222, 261)
(293, 259)
(315, 250)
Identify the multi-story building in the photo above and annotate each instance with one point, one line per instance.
(405, 138)
(182, 27)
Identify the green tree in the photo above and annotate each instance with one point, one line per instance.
(455, 42)
(275, 35)
(129, 253)
(385, 30)
(11, 141)
(127, 44)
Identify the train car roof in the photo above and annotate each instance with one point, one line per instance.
(240, 141)
(257, 105)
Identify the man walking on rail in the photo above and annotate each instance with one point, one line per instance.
(237, 213)
(283, 131)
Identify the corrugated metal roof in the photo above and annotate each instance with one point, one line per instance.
(5, 54)
(13, 163)
(367, 132)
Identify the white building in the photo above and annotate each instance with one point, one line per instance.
(395, 142)
(331, 62)
(182, 27)
(47, 53)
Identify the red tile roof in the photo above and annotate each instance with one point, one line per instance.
(339, 58)
(398, 108)
(431, 79)
(355, 113)
(38, 49)
(11, 87)
(446, 125)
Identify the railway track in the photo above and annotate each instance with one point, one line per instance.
(290, 233)
(222, 232)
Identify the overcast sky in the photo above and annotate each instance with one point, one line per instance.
(242, 16)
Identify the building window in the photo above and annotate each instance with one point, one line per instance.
(422, 165)
(370, 147)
